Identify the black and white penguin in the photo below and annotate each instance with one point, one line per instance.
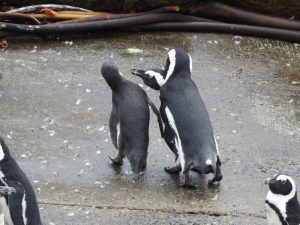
(5, 218)
(281, 202)
(188, 130)
(130, 109)
(21, 201)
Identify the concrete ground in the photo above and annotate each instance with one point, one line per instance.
(54, 110)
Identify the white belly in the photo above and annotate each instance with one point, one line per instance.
(5, 218)
(272, 216)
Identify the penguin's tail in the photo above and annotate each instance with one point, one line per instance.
(205, 168)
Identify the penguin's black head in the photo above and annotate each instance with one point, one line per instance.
(4, 152)
(111, 73)
(178, 61)
(282, 184)
(150, 77)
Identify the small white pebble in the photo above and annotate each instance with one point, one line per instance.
(24, 156)
(90, 109)
(80, 173)
(98, 152)
(71, 214)
(88, 90)
(78, 102)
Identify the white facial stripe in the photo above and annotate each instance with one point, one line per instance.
(24, 206)
(280, 201)
(177, 138)
(172, 59)
(284, 178)
(191, 63)
(1, 153)
(158, 77)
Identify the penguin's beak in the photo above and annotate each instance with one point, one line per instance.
(139, 73)
(267, 181)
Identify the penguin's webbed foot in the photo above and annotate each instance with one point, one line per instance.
(117, 161)
(173, 170)
(188, 186)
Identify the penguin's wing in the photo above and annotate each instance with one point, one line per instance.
(17, 203)
(5, 190)
(169, 134)
(113, 122)
(159, 119)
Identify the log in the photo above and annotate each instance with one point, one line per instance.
(287, 8)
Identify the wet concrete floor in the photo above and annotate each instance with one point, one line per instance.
(54, 110)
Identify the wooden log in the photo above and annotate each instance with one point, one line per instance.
(288, 8)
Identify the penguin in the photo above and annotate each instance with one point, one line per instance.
(130, 110)
(5, 217)
(21, 201)
(188, 131)
(281, 202)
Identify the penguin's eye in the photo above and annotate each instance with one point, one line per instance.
(283, 181)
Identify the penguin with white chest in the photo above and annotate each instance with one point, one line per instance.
(130, 109)
(281, 202)
(188, 130)
(20, 204)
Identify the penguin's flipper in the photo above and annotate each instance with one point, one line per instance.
(113, 122)
(159, 119)
(217, 175)
(16, 202)
(5, 190)
(169, 134)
